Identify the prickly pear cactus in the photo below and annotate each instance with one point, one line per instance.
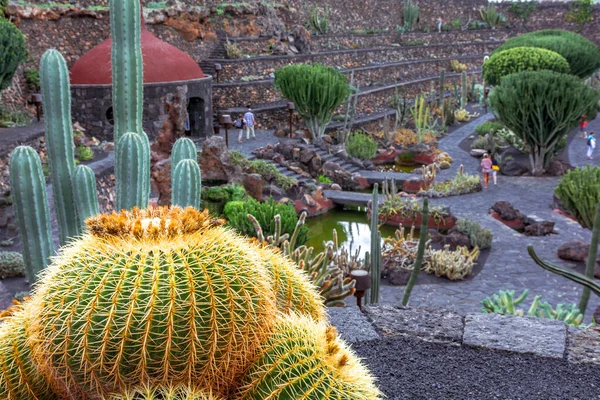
(152, 296)
(304, 359)
(163, 392)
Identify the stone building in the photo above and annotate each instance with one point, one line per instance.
(165, 68)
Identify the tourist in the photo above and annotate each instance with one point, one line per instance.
(249, 120)
(240, 124)
(486, 168)
(439, 24)
(495, 168)
(591, 142)
(583, 123)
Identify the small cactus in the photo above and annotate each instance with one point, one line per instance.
(183, 149)
(375, 246)
(187, 184)
(11, 264)
(86, 196)
(464, 89)
(420, 253)
(454, 265)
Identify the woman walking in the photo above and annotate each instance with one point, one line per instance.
(486, 168)
(495, 168)
(583, 123)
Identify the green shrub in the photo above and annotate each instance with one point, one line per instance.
(12, 51)
(214, 198)
(318, 22)
(522, 9)
(483, 143)
(582, 55)
(579, 191)
(581, 12)
(11, 264)
(84, 153)
(519, 59)
(32, 78)
(541, 108)
(268, 171)
(324, 179)
(478, 236)
(488, 127)
(237, 212)
(10, 119)
(361, 145)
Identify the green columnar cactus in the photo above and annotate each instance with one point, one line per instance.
(86, 196)
(305, 359)
(159, 295)
(442, 83)
(464, 89)
(183, 149)
(420, 251)
(31, 209)
(187, 184)
(20, 377)
(375, 246)
(54, 79)
(133, 157)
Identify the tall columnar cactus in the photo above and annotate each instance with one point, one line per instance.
(20, 377)
(183, 149)
(187, 184)
(86, 196)
(442, 83)
(133, 157)
(464, 89)
(375, 246)
(168, 295)
(56, 92)
(304, 359)
(420, 251)
(31, 208)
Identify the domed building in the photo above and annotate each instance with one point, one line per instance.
(165, 68)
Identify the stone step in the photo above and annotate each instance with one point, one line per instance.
(290, 173)
(328, 157)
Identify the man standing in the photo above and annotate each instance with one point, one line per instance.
(591, 142)
(249, 120)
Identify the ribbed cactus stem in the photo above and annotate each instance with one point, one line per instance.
(420, 251)
(187, 184)
(183, 149)
(591, 261)
(56, 93)
(463, 98)
(442, 83)
(133, 157)
(86, 196)
(31, 209)
(375, 246)
(127, 69)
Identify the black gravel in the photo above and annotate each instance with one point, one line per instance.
(410, 369)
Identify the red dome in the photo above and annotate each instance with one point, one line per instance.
(162, 63)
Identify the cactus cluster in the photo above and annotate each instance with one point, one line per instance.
(454, 265)
(11, 264)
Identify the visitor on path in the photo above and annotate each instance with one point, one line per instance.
(583, 123)
(439, 23)
(486, 168)
(240, 124)
(591, 142)
(249, 120)
(495, 168)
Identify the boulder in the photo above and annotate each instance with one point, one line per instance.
(285, 149)
(513, 168)
(315, 165)
(215, 162)
(272, 191)
(335, 186)
(539, 228)
(253, 184)
(506, 211)
(573, 250)
(399, 276)
(308, 200)
(331, 167)
(558, 168)
(306, 155)
(161, 181)
(478, 152)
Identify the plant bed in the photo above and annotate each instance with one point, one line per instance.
(504, 212)
(443, 223)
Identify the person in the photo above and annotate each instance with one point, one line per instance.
(591, 142)
(486, 168)
(495, 168)
(439, 23)
(239, 123)
(583, 123)
(249, 120)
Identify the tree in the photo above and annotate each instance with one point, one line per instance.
(316, 90)
(12, 51)
(541, 108)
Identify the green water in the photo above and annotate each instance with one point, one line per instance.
(398, 168)
(352, 227)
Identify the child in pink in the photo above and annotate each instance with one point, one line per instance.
(486, 168)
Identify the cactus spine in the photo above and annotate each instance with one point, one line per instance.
(420, 251)
(164, 392)
(133, 158)
(464, 89)
(375, 246)
(187, 184)
(54, 79)
(86, 197)
(31, 209)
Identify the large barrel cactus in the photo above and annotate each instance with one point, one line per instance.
(160, 296)
(163, 392)
(304, 359)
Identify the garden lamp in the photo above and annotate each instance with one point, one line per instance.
(226, 121)
(363, 283)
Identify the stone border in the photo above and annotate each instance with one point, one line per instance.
(526, 335)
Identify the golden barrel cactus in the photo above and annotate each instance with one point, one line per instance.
(305, 359)
(152, 296)
(163, 392)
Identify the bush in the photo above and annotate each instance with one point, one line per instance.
(32, 78)
(214, 198)
(488, 127)
(361, 145)
(324, 179)
(237, 212)
(268, 171)
(83, 153)
(522, 59)
(484, 143)
(522, 100)
(12, 51)
(579, 191)
(11, 264)
(582, 55)
(478, 236)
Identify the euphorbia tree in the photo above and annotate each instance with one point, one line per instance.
(316, 90)
(541, 108)
(12, 51)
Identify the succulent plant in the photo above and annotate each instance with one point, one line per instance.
(170, 296)
(186, 184)
(305, 359)
(454, 265)
(86, 197)
(163, 392)
(11, 264)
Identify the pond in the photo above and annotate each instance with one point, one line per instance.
(353, 229)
